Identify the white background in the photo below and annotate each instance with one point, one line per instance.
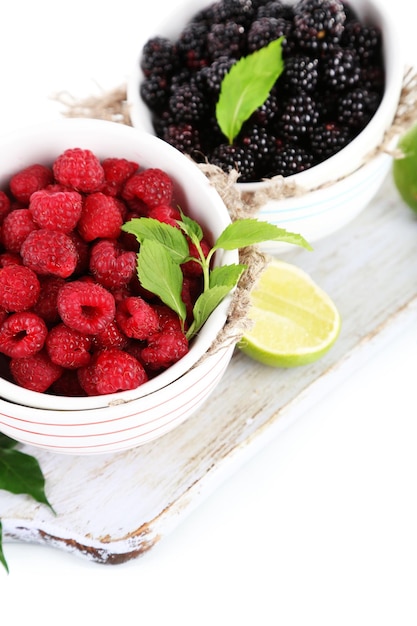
(321, 526)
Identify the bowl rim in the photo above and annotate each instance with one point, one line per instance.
(345, 160)
(12, 392)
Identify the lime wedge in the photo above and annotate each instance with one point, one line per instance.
(294, 321)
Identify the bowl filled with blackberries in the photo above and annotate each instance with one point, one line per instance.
(292, 101)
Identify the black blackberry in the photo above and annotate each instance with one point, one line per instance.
(277, 9)
(234, 157)
(182, 77)
(159, 56)
(259, 142)
(328, 138)
(357, 107)
(154, 91)
(365, 40)
(298, 118)
(191, 45)
(341, 69)
(185, 138)
(187, 103)
(210, 133)
(240, 11)
(210, 78)
(264, 30)
(318, 24)
(161, 121)
(301, 73)
(289, 159)
(373, 79)
(228, 38)
(267, 112)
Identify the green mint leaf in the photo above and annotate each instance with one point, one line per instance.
(191, 228)
(205, 305)
(246, 86)
(20, 473)
(161, 275)
(226, 275)
(6, 442)
(168, 236)
(250, 231)
(2, 557)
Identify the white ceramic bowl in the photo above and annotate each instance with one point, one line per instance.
(314, 213)
(129, 418)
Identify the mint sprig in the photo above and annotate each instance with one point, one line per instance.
(246, 86)
(20, 473)
(159, 260)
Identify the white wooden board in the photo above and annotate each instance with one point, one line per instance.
(115, 507)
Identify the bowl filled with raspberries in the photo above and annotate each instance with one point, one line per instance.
(106, 233)
(295, 98)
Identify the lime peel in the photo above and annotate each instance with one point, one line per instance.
(294, 321)
(404, 168)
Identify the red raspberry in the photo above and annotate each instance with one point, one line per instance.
(56, 210)
(153, 186)
(85, 306)
(46, 305)
(136, 318)
(19, 288)
(168, 319)
(164, 349)
(5, 205)
(165, 213)
(112, 266)
(10, 258)
(111, 337)
(24, 183)
(116, 173)
(17, 226)
(120, 293)
(128, 240)
(49, 252)
(79, 169)
(191, 289)
(100, 217)
(68, 385)
(83, 252)
(36, 372)
(111, 371)
(67, 347)
(22, 334)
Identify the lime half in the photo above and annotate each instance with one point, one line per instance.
(294, 321)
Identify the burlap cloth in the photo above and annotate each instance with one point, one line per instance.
(113, 106)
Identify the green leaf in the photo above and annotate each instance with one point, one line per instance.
(6, 442)
(205, 305)
(191, 228)
(250, 231)
(20, 473)
(246, 86)
(2, 557)
(153, 230)
(161, 275)
(226, 275)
